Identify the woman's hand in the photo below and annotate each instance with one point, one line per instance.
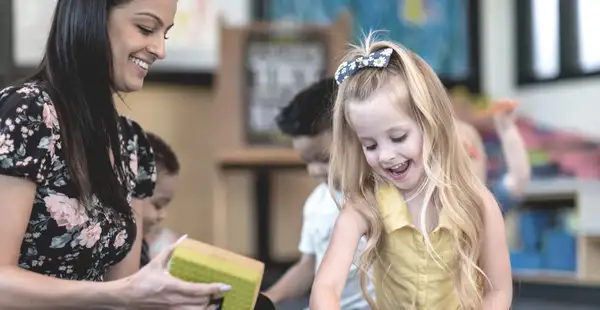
(154, 287)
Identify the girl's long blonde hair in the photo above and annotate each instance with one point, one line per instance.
(451, 183)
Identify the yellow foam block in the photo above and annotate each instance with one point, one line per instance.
(199, 262)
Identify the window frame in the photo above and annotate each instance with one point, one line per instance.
(568, 37)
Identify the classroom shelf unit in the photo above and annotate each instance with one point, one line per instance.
(586, 197)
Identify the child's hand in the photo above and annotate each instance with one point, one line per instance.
(504, 116)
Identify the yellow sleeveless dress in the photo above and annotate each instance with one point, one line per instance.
(407, 277)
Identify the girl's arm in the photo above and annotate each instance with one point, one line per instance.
(21, 289)
(515, 154)
(331, 277)
(494, 260)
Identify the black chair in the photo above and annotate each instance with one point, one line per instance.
(262, 303)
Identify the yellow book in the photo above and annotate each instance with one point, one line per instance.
(199, 262)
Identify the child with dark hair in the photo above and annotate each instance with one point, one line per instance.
(155, 207)
(307, 120)
(164, 156)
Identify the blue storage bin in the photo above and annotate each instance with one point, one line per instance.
(559, 251)
(532, 225)
(521, 260)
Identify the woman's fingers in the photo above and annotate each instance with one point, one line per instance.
(201, 289)
(165, 255)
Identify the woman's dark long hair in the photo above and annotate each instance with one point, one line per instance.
(77, 71)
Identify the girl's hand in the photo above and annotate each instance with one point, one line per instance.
(504, 116)
(154, 287)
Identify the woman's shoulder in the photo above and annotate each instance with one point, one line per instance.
(30, 98)
(28, 105)
(29, 132)
(32, 89)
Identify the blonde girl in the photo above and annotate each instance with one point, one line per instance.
(435, 234)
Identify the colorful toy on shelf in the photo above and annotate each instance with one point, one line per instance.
(469, 106)
(498, 107)
(198, 262)
(480, 105)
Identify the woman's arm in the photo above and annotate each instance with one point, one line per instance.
(494, 260)
(21, 289)
(131, 263)
(331, 277)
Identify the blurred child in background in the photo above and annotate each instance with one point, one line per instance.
(509, 189)
(307, 119)
(155, 207)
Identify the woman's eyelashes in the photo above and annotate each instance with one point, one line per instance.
(145, 31)
(149, 31)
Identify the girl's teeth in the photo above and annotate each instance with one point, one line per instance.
(398, 166)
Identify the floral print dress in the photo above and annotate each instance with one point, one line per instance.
(64, 238)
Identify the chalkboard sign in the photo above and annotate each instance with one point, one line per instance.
(277, 67)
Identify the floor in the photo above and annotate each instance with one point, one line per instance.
(538, 298)
(518, 305)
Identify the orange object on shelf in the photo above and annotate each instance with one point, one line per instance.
(498, 107)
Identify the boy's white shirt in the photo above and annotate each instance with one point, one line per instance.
(319, 215)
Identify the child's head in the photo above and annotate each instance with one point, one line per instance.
(167, 166)
(396, 113)
(393, 122)
(307, 119)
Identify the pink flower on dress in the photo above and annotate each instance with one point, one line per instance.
(120, 239)
(133, 164)
(90, 235)
(51, 148)
(26, 90)
(6, 144)
(67, 212)
(50, 116)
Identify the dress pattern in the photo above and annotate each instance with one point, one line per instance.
(65, 238)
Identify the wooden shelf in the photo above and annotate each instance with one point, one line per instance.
(259, 157)
(553, 277)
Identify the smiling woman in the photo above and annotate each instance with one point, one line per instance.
(137, 35)
(73, 172)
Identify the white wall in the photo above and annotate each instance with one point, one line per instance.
(567, 105)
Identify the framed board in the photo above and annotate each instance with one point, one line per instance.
(276, 68)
